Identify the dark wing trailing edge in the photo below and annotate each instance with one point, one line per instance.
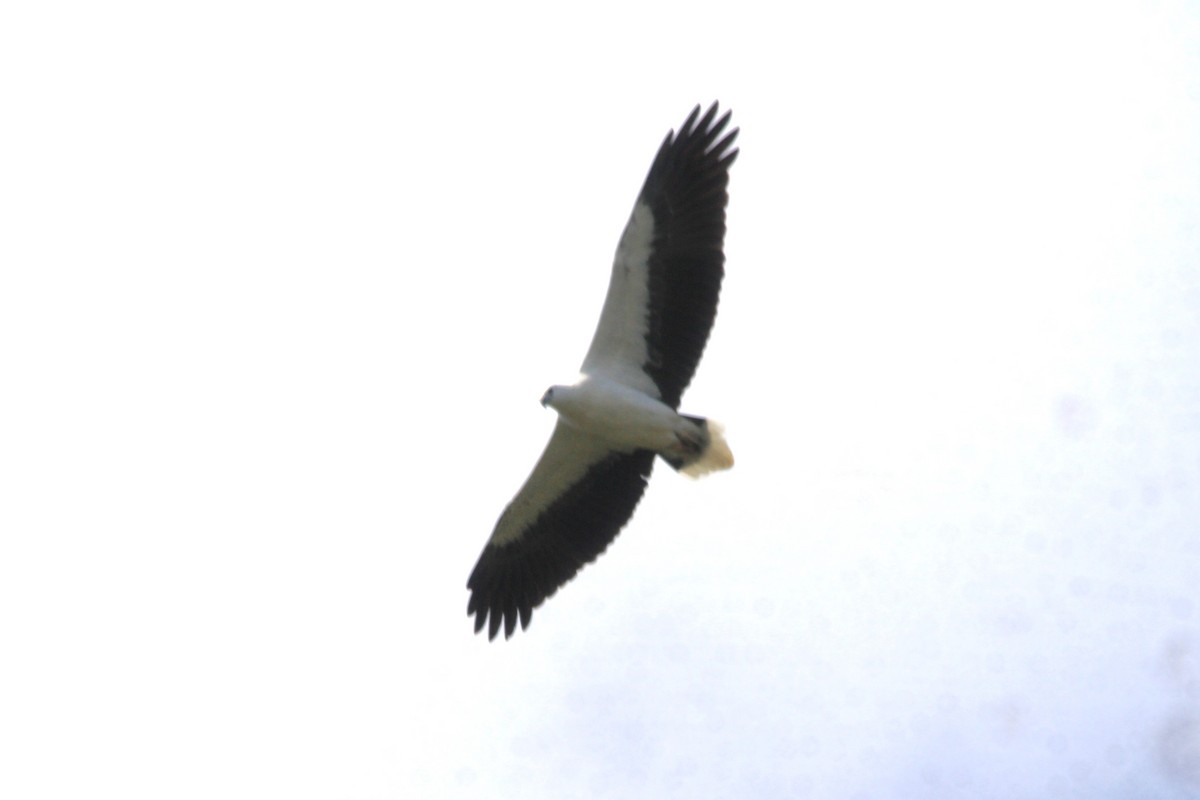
(553, 543)
(686, 191)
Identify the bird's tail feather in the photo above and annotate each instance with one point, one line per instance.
(708, 454)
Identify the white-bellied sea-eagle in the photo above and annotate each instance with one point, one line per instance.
(621, 412)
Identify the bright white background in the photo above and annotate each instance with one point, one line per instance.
(281, 285)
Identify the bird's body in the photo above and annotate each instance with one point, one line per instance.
(621, 413)
(623, 416)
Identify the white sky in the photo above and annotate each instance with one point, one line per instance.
(283, 283)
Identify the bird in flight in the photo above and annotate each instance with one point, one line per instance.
(621, 412)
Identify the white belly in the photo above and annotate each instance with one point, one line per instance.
(617, 413)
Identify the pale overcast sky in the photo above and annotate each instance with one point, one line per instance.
(281, 286)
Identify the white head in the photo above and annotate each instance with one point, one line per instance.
(548, 399)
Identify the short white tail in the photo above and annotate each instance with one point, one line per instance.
(716, 456)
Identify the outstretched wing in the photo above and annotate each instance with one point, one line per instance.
(666, 278)
(579, 495)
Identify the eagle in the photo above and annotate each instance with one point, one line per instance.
(621, 412)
